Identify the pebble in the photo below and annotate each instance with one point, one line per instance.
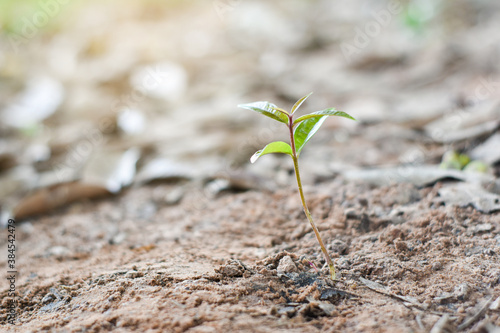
(133, 274)
(58, 251)
(288, 311)
(48, 298)
(437, 266)
(351, 213)
(401, 245)
(231, 269)
(485, 227)
(286, 265)
(338, 246)
(495, 305)
(174, 196)
(328, 308)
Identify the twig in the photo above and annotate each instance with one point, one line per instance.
(383, 290)
(476, 316)
(441, 325)
(418, 318)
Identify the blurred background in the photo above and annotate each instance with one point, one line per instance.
(99, 96)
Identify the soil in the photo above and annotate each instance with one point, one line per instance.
(248, 262)
(197, 239)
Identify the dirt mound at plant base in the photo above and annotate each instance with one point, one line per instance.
(249, 262)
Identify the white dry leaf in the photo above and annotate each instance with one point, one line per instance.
(17, 180)
(111, 170)
(488, 151)
(166, 81)
(465, 124)
(40, 99)
(131, 121)
(465, 194)
(422, 175)
(163, 168)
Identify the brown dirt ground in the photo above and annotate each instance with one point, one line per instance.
(244, 261)
(210, 264)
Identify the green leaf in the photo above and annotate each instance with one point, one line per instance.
(267, 109)
(306, 130)
(319, 114)
(273, 147)
(280, 110)
(299, 102)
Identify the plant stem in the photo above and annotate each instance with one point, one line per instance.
(302, 198)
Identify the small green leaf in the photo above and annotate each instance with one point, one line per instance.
(325, 112)
(281, 110)
(267, 109)
(454, 160)
(306, 130)
(476, 166)
(299, 102)
(273, 147)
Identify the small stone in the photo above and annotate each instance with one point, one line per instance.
(286, 265)
(288, 311)
(461, 292)
(118, 238)
(273, 311)
(485, 227)
(231, 269)
(174, 196)
(363, 202)
(59, 251)
(400, 245)
(133, 274)
(391, 234)
(328, 308)
(343, 264)
(351, 213)
(338, 246)
(48, 298)
(495, 305)
(437, 266)
(27, 228)
(364, 225)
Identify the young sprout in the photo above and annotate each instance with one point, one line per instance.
(301, 130)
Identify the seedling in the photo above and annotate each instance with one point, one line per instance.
(301, 131)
